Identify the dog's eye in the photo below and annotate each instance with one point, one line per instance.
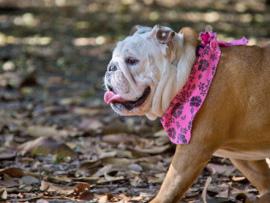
(131, 61)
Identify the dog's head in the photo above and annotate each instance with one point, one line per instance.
(147, 70)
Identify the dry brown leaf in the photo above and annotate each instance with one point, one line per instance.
(88, 167)
(204, 193)
(103, 199)
(61, 189)
(109, 178)
(45, 146)
(153, 150)
(91, 180)
(13, 172)
(3, 193)
(89, 112)
(85, 195)
(138, 199)
(108, 154)
(137, 181)
(8, 183)
(239, 178)
(118, 161)
(116, 126)
(46, 131)
(81, 187)
(109, 197)
(192, 192)
(105, 169)
(28, 180)
(5, 155)
(116, 153)
(42, 201)
(58, 179)
(220, 169)
(71, 101)
(152, 179)
(121, 137)
(242, 197)
(135, 167)
(26, 188)
(92, 125)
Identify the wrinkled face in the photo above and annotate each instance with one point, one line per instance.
(131, 76)
(141, 77)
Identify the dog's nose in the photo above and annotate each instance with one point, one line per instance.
(112, 67)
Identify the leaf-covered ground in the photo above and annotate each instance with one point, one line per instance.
(59, 142)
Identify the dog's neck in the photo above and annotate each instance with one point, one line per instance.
(172, 80)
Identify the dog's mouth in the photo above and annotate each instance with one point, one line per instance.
(113, 98)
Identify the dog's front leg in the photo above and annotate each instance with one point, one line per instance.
(187, 164)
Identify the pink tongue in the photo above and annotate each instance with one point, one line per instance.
(110, 97)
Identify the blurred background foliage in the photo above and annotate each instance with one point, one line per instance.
(64, 46)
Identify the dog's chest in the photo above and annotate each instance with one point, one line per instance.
(244, 155)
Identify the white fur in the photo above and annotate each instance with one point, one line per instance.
(165, 78)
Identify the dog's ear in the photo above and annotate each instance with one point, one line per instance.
(139, 29)
(163, 34)
(171, 42)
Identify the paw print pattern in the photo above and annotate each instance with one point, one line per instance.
(195, 101)
(171, 132)
(203, 65)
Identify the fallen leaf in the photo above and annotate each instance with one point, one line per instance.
(61, 189)
(29, 180)
(25, 188)
(46, 131)
(116, 126)
(135, 167)
(6, 155)
(109, 197)
(121, 137)
(42, 201)
(207, 199)
(81, 187)
(91, 180)
(89, 111)
(45, 146)
(13, 172)
(8, 183)
(3, 193)
(192, 192)
(85, 195)
(137, 181)
(153, 150)
(71, 101)
(241, 179)
(152, 179)
(91, 124)
(89, 167)
(109, 178)
(220, 169)
(57, 179)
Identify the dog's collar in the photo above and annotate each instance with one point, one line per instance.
(177, 120)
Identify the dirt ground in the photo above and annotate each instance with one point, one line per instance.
(59, 141)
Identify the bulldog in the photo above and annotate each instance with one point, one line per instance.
(151, 66)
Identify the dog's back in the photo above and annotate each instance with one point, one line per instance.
(237, 106)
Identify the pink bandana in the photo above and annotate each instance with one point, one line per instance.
(177, 121)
